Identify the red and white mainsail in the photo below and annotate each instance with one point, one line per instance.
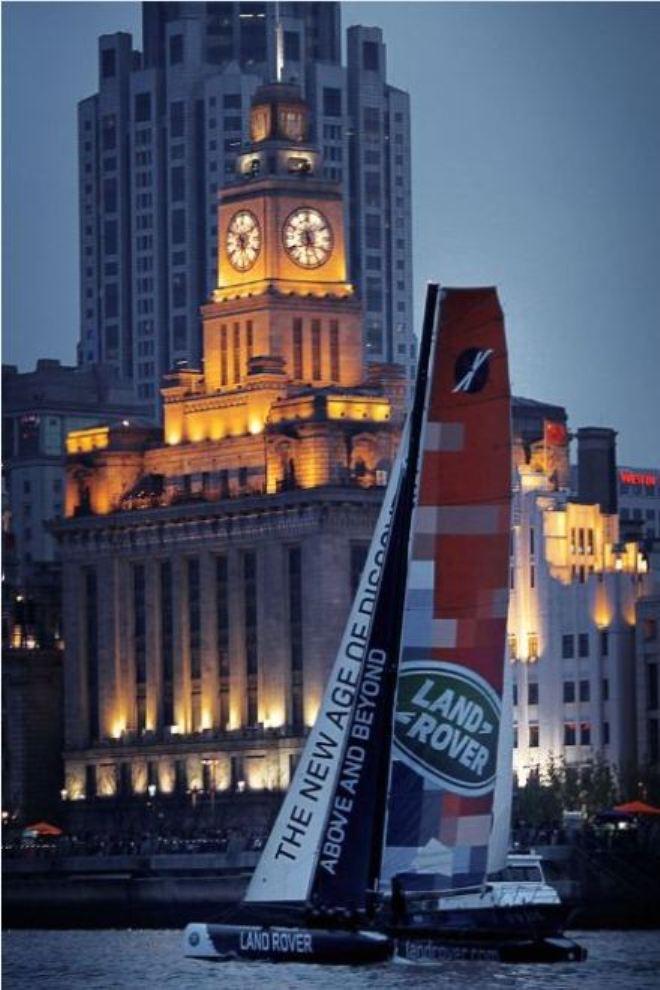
(447, 744)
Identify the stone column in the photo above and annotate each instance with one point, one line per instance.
(181, 643)
(238, 678)
(273, 633)
(208, 644)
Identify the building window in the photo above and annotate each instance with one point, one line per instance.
(296, 634)
(606, 733)
(567, 647)
(584, 691)
(92, 651)
(178, 226)
(237, 352)
(194, 618)
(531, 541)
(583, 645)
(297, 349)
(606, 689)
(231, 101)
(372, 188)
(515, 737)
(334, 350)
(532, 693)
(331, 102)
(177, 182)
(569, 692)
(167, 641)
(585, 734)
(532, 576)
(223, 355)
(316, 350)
(513, 646)
(569, 734)
(179, 333)
(649, 630)
(532, 647)
(533, 737)
(250, 617)
(370, 56)
(110, 195)
(604, 642)
(222, 613)
(179, 290)
(176, 49)
(177, 119)
(108, 64)
(291, 46)
(514, 691)
(142, 107)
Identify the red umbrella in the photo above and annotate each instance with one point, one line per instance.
(637, 808)
(42, 828)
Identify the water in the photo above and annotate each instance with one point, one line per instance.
(141, 960)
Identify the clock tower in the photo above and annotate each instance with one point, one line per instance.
(282, 289)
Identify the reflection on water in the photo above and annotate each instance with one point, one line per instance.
(141, 960)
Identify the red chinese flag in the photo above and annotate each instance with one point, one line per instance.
(555, 433)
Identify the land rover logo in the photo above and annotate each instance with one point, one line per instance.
(471, 369)
(446, 725)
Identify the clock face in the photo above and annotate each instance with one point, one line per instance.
(243, 240)
(307, 237)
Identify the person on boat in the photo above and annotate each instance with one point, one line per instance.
(399, 909)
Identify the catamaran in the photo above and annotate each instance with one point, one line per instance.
(394, 833)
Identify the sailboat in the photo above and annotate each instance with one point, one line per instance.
(399, 808)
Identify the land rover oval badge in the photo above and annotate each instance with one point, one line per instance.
(447, 724)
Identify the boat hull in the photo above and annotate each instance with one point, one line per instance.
(225, 943)
(437, 949)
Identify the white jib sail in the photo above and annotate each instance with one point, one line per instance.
(286, 867)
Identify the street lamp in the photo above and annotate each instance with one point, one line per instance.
(152, 790)
(64, 794)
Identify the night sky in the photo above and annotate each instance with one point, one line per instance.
(536, 168)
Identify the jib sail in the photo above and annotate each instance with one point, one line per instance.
(351, 843)
(446, 732)
(323, 845)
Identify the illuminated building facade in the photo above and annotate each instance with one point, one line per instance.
(159, 139)
(208, 568)
(639, 501)
(576, 586)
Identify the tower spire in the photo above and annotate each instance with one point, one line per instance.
(279, 45)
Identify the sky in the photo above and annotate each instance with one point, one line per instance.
(536, 168)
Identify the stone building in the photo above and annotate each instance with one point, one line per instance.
(576, 588)
(208, 568)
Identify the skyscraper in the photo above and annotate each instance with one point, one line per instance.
(159, 140)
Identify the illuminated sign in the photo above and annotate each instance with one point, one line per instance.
(636, 477)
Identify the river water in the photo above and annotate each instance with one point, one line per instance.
(142, 960)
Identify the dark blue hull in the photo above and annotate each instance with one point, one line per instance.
(224, 943)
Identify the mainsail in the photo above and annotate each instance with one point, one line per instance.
(446, 737)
